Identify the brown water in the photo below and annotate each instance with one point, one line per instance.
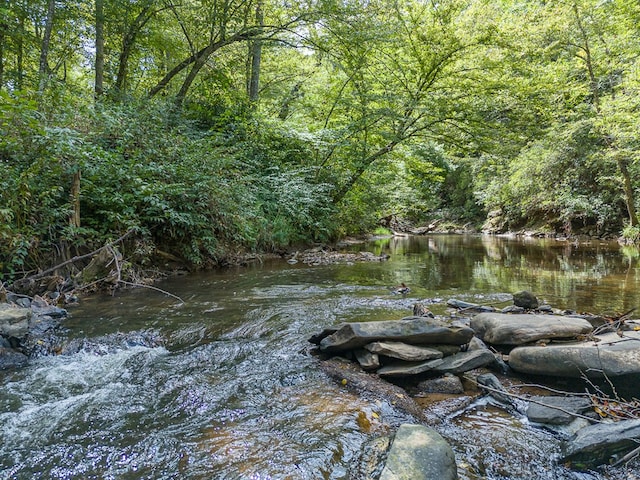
(233, 394)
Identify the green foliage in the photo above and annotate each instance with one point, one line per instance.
(631, 235)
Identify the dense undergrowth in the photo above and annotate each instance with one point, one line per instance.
(197, 194)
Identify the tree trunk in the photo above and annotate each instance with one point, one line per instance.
(43, 70)
(74, 197)
(99, 66)
(201, 56)
(256, 58)
(128, 42)
(20, 51)
(629, 196)
(3, 28)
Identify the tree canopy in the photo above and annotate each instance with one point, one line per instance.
(212, 126)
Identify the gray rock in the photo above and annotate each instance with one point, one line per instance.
(596, 444)
(413, 330)
(407, 369)
(23, 302)
(512, 309)
(465, 361)
(449, 383)
(403, 351)
(422, 310)
(495, 388)
(526, 300)
(419, 453)
(518, 329)
(14, 322)
(10, 358)
(317, 338)
(471, 307)
(366, 359)
(547, 409)
(611, 356)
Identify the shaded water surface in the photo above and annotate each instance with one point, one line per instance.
(231, 392)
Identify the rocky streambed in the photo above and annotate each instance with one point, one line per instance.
(421, 355)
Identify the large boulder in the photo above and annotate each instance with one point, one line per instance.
(419, 453)
(412, 330)
(612, 356)
(597, 444)
(505, 329)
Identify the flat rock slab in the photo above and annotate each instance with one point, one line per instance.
(596, 444)
(465, 361)
(556, 410)
(611, 356)
(403, 351)
(407, 369)
(419, 453)
(518, 329)
(412, 330)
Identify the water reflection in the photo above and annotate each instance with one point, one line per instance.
(232, 393)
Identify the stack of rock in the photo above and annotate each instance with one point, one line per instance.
(406, 347)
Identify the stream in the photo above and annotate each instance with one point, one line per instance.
(223, 386)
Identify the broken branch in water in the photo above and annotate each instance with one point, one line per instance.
(152, 288)
(525, 399)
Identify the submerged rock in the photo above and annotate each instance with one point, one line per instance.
(611, 356)
(412, 330)
(448, 383)
(419, 453)
(518, 329)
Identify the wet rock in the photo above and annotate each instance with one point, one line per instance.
(407, 369)
(597, 444)
(403, 351)
(471, 307)
(449, 383)
(413, 330)
(512, 309)
(10, 358)
(465, 361)
(317, 338)
(556, 410)
(495, 388)
(518, 329)
(14, 321)
(611, 356)
(419, 453)
(50, 311)
(366, 359)
(421, 309)
(526, 300)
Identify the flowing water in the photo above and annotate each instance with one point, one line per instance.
(222, 386)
